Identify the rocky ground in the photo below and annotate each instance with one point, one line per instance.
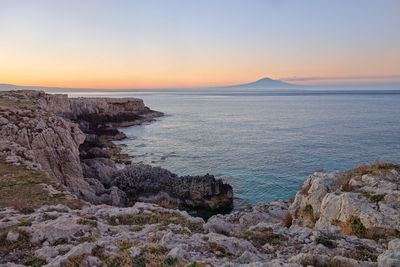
(302, 232)
(346, 218)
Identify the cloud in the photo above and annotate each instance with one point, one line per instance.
(332, 78)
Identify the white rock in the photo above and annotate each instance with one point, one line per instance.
(93, 261)
(394, 245)
(84, 248)
(12, 236)
(46, 253)
(390, 258)
(176, 253)
(134, 252)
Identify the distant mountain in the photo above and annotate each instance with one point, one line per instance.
(265, 83)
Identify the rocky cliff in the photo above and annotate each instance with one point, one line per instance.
(71, 140)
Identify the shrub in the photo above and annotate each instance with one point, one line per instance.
(357, 226)
(308, 209)
(326, 242)
(220, 251)
(375, 198)
(87, 222)
(363, 253)
(259, 237)
(35, 262)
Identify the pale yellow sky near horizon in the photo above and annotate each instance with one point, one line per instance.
(135, 44)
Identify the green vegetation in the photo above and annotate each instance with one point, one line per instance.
(308, 209)
(89, 238)
(137, 228)
(25, 223)
(309, 212)
(375, 198)
(35, 262)
(98, 251)
(60, 241)
(357, 226)
(155, 218)
(326, 241)
(218, 250)
(90, 223)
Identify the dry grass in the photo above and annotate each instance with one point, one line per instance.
(20, 188)
(75, 261)
(156, 218)
(15, 251)
(378, 169)
(287, 221)
(218, 250)
(166, 203)
(260, 236)
(150, 256)
(363, 253)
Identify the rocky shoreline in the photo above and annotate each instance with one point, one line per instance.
(71, 140)
(349, 218)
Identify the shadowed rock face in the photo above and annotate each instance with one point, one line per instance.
(141, 181)
(71, 139)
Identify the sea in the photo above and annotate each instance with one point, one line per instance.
(265, 144)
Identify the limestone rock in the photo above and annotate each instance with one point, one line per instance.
(143, 182)
(373, 199)
(12, 236)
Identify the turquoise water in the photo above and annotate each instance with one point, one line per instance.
(265, 145)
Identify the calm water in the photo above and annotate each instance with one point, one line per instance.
(265, 145)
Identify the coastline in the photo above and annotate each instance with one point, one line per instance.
(77, 209)
(88, 127)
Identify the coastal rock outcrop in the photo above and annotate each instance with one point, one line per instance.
(71, 140)
(144, 182)
(41, 140)
(364, 201)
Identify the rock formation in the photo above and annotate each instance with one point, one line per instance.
(368, 194)
(144, 182)
(71, 140)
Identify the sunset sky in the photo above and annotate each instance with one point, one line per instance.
(156, 44)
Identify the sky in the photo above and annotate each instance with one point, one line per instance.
(188, 43)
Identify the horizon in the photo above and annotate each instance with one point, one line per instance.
(346, 86)
(180, 44)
